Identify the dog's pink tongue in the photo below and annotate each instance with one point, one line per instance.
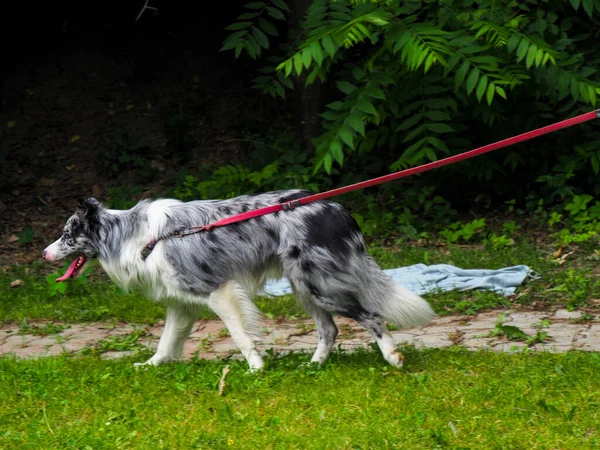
(69, 271)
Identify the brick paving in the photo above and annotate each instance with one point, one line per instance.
(209, 339)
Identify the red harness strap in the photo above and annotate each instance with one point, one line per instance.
(288, 206)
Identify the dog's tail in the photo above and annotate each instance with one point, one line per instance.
(393, 302)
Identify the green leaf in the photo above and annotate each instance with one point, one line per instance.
(574, 88)
(410, 122)
(358, 73)
(437, 143)
(335, 149)
(248, 16)
(364, 30)
(346, 135)
(513, 42)
(545, 58)
(306, 57)
(230, 45)
(267, 27)
(490, 93)
(375, 92)
(310, 79)
(367, 144)
(275, 13)
(356, 124)
(255, 5)
(429, 61)
(330, 115)
(539, 56)
(238, 26)
(438, 115)
(440, 128)
(327, 162)
(260, 37)
(472, 80)
(414, 133)
(317, 53)
(328, 45)
(346, 88)
(238, 49)
(298, 63)
(376, 20)
(336, 106)
(522, 50)
(461, 74)
(592, 95)
(281, 4)
(500, 92)
(436, 103)
(588, 6)
(430, 154)
(288, 67)
(481, 87)
(235, 36)
(531, 55)
(279, 89)
(367, 107)
(233, 40)
(575, 3)
(253, 47)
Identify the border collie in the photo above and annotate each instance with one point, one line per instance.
(317, 246)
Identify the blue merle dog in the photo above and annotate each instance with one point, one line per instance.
(318, 247)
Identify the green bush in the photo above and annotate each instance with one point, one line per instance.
(421, 80)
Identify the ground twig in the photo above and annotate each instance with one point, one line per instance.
(222, 382)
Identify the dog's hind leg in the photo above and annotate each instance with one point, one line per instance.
(376, 326)
(233, 305)
(326, 329)
(178, 324)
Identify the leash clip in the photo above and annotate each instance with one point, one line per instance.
(291, 205)
(181, 233)
(148, 249)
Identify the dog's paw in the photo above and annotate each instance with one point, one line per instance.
(142, 365)
(311, 365)
(395, 358)
(255, 362)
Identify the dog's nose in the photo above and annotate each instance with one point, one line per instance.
(44, 254)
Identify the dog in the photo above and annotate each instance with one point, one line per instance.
(317, 246)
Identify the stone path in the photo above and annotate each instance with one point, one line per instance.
(563, 330)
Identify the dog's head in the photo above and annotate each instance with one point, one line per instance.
(80, 236)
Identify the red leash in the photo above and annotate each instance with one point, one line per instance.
(287, 206)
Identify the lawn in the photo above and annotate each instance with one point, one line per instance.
(448, 398)
(443, 399)
(572, 284)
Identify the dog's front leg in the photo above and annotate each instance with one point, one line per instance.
(178, 324)
(226, 303)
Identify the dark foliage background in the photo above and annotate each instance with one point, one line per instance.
(311, 94)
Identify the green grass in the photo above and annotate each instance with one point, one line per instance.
(443, 399)
(572, 284)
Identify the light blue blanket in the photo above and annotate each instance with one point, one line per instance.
(422, 279)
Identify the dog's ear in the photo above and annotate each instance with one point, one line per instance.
(82, 207)
(86, 208)
(93, 202)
